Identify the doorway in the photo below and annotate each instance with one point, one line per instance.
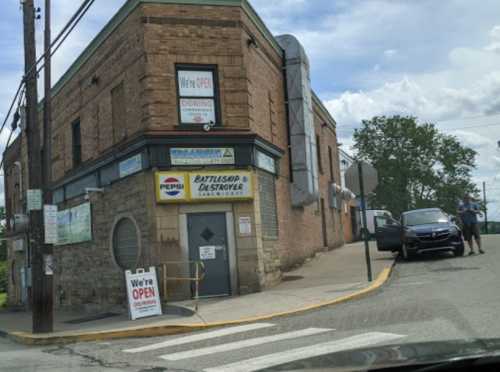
(208, 243)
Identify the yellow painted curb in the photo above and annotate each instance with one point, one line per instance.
(172, 329)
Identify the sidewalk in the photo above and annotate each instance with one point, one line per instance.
(329, 278)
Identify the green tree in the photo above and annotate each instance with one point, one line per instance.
(418, 166)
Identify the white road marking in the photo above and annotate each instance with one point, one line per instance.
(275, 359)
(200, 337)
(245, 343)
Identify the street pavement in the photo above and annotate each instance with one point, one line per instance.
(435, 298)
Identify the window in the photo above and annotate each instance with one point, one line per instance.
(77, 143)
(318, 149)
(125, 244)
(268, 207)
(330, 158)
(118, 110)
(197, 93)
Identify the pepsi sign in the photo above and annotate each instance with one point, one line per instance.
(171, 186)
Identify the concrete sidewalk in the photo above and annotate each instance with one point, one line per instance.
(329, 278)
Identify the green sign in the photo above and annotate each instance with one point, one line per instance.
(74, 225)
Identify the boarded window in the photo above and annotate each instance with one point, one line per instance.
(76, 135)
(268, 207)
(318, 149)
(125, 244)
(118, 111)
(330, 158)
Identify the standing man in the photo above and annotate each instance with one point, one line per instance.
(468, 212)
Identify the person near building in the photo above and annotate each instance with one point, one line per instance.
(468, 211)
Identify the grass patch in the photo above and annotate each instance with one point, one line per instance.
(3, 299)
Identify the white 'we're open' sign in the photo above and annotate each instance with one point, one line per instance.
(142, 293)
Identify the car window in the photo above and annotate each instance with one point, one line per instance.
(424, 218)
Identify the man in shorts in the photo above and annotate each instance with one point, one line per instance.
(468, 212)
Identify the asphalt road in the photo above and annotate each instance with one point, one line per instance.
(431, 299)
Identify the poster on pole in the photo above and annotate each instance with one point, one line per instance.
(50, 223)
(34, 200)
(142, 293)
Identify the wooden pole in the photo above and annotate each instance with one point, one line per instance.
(42, 314)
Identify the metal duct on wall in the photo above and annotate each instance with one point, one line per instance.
(301, 123)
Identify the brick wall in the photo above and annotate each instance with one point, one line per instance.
(87, 96)
(193, 35)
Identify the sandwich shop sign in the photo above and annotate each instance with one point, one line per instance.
(203, 186)
(142, 293)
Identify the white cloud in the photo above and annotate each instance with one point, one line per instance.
(389, 53)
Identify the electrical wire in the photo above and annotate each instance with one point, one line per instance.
(11, 106)
(70, 25)
(78, 19)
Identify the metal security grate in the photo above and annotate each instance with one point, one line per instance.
(268, 207)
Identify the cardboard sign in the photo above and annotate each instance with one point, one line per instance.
(142, 292)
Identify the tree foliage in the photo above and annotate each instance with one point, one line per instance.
(418, 166)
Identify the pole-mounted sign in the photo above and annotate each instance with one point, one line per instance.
(361, 178)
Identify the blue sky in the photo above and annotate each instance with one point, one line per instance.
(438, 60)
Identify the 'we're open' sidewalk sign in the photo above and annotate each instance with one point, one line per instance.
(142, 293)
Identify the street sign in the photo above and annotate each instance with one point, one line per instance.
(370, 178)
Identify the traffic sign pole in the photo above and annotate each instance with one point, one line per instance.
(365, 226)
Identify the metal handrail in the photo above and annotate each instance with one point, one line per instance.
(199, 276)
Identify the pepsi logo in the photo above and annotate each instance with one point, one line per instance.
(172, 186)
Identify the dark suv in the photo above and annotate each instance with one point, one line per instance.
(420, 231)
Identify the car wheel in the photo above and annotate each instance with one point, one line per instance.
(459, 251)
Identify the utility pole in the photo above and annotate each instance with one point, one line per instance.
(485, 209)
(365, 226)
(48, 289)
(42, 309)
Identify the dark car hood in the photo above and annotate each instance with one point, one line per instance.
(428, 228)
(399, 357)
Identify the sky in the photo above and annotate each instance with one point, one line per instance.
(437, 60)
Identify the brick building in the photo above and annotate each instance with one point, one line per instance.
(184, 131)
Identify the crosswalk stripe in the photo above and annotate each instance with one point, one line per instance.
(200, 337)
(275, 359)
(245, 343)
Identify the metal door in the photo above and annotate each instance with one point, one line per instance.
(387, 233)
(208, 243)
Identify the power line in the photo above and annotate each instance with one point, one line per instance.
(83, 9)
(63, 34)
(69, 25)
